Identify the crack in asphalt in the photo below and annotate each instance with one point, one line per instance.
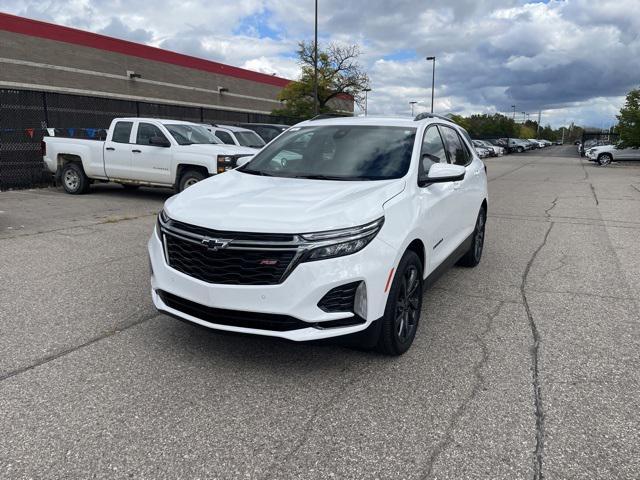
(54, 356)
(553, 205)
(635, 188)
(537, 393)
(480, 340)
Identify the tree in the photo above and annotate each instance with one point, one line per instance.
(629, 120)
(339, 73)
(484, 126)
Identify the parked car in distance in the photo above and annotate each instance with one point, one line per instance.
(537, 143)
(482, 151)
(232, 135)
(495, 150)
(605, 154)
(337, 226)
(267, 131)
(141, 151)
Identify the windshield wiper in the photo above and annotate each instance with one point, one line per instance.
(255, 172)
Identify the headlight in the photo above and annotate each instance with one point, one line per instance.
(338, 243)
(226, 162)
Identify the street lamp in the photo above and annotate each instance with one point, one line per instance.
(514, 112)
(412, 103)
(315, 64)
(524, 116)
(433, 78)
(365, 90)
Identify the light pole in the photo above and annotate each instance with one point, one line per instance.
(433, 79)
(514, 112)
(412, 103)
(365, 90)
(524, 117)
(315, 63)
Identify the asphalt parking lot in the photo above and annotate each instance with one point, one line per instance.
(525, 367)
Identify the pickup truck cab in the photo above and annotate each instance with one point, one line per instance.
(141, 151)
(332, 229)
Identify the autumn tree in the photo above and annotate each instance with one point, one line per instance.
(339, 73)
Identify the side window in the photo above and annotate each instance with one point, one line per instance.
(146, 131)
(458, 153)
(224, 137)
(432, 151)
(122, 132)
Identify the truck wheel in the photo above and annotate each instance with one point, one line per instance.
(474, 254)
(188, 178)
(74, 180)
(604, 159)
(404, 304)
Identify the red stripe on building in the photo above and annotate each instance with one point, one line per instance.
(36, 28)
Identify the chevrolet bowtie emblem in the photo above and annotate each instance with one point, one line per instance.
(215, 244)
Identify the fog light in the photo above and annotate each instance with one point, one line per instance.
(360, 301)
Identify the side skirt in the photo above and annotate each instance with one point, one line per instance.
(449, 262)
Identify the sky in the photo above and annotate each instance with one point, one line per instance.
(575, 59)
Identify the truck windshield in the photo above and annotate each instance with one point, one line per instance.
(249, 139)
(337, 152)
(189, 134)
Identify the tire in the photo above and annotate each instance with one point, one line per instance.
(520, 150)
(474, 254)
(402, 313)
(605, 159)
(130, 186)
(188, 178)
(74, 180)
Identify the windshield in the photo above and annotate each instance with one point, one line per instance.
(249, 139)
(337, 152)
(186, 134)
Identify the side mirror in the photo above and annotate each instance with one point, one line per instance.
(158, 141)
(444, 172)
(243, 161)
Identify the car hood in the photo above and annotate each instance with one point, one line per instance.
(235, 201)
(217, 149)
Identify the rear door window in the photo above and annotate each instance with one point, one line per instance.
(458, 154)
(122, 132)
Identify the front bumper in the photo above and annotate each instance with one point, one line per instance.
(297, 297)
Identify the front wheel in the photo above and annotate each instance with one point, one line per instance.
(520, 150)
(604, 159)
(189, 178)
(402, 313)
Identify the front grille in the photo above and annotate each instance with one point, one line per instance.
(235, 318)
(207, 232)
(227, 266)
(339, 299)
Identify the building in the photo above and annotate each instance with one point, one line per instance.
(55, 76)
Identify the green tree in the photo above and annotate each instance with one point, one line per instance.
(339, 73)
(629, 120)
(485, 125)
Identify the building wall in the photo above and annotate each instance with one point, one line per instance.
(41, 64)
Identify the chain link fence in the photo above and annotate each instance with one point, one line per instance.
(25, 114)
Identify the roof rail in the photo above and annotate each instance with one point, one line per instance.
(422, 116)
(330, 115)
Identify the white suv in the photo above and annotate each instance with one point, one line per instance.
(332, 229)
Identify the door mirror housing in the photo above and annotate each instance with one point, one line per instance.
(442, 173)
(158, 141)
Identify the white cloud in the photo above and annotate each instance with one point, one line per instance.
(574, 59)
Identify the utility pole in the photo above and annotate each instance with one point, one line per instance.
(315, 63)
(539, 116)
(433, 79)
(514, 112)
(412, 104)
(524, 117)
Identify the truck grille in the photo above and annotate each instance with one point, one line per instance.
(228, 258)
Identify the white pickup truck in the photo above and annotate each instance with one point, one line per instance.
(141, 151)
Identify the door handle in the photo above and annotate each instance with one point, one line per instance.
(110, 148)
(136, 151)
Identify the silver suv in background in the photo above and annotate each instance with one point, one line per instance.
(232, 135)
